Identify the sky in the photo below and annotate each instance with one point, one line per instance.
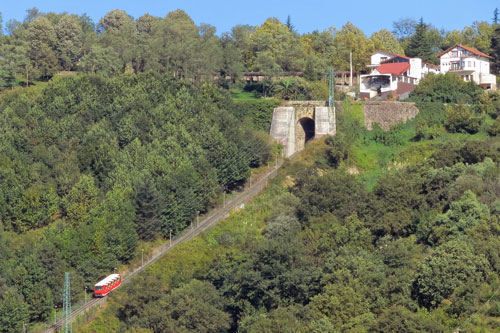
(306, 15)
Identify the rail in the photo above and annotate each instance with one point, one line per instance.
(190, 232)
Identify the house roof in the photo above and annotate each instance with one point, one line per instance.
(431, 65)
(470, 49)
(396, 68)
(393, 54)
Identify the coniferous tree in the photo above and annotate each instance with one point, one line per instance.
(495, 16)
(420, 43)
(148, 206)
(495, 50)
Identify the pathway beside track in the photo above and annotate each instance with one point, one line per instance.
(216, 216)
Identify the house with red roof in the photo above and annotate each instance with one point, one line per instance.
(393, 74)
(470, 64)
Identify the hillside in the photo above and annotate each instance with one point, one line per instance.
(367, 231)
(95, 169)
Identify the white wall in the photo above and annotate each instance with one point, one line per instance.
(415, 68)
(377, 58)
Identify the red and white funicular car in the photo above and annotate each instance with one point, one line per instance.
(103, 287)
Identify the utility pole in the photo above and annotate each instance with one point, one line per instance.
(86, 294)
(224, 199)
(331, 100)
(170, 237)
(68, 327)
(276, 161)
(350, 64)
(142, 258)
(197, 217)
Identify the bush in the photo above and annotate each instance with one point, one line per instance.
(291, 88)
(460, 119)
(338, 150)
(319, 91)
(447, 88)
(387, 138)
(494, 130)
(260, 112)
(424, 131)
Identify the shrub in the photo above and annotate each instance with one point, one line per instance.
(460, 119)
(338, 150)
(494, 130)
(260, 112)
(291, 88)
(387, 138)
(447, 88)
(424, 131)
(319, 90)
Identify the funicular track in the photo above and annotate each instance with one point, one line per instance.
(216, 216)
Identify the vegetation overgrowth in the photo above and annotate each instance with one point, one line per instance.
(365, 231)
(92, 167)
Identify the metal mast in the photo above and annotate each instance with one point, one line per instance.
(68, 327)
(331, 85)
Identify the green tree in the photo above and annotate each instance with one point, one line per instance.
(351, 39)
(495, 50)
(462, 215)
(451, 265)
(399, 319)
(148, 205)
(275, 38)
(13, 311)
(42, 39)
(81, 199)
(420, 44)
(193, 307)
(384, 40)
(69, 40)
(102, 61)
(461, 118)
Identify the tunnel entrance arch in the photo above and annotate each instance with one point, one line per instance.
(297, 122)
(306, 129)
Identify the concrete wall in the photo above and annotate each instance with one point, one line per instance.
(286, 125)
(388, 114)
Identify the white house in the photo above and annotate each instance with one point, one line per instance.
(469, 63)
(393, 74)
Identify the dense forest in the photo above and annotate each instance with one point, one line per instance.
(366, 231)
(91, 166)
(47, 43)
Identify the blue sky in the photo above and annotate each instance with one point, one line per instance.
(307, 15)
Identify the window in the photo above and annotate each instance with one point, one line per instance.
(454, 54)
(98, 288)
(468, 63)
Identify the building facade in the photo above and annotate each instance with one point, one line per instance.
(468, 63)
(393, 75)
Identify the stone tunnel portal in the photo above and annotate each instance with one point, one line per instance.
(305, 132)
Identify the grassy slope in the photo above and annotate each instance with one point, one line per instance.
(369, 158)
(186, 260)
(241, 95)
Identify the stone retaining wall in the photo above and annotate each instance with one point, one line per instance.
(388, 114)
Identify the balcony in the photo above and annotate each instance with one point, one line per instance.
(487, 79)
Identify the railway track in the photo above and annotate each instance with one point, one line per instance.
(217, 215)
